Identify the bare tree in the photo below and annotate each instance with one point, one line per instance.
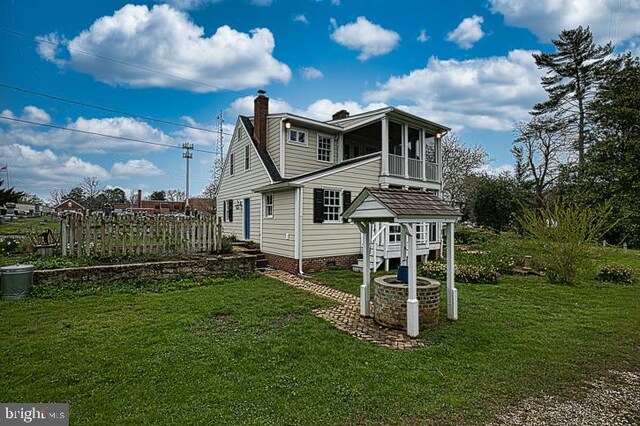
(92, 187)
(540, 147)
(459, 162)
(57, 196)
(175, 195)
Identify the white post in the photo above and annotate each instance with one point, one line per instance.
(452, 291)
(385, 146)
(413, 326)
(365, 310)
(340, 148)
(405, 149)
(403, 245)
(375, 248)
(423, 154)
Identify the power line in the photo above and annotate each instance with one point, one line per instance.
(100, 134)
(148, 69)
(117, 111)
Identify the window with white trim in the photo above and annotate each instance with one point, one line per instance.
(332, 203)
(268, 205)
(394, 234)
(421, 232)
(325, 151)
(298, 137)
(247, 158)
(231, 158)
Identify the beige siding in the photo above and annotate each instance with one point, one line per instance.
(335, 239)
(278, 231)
(240, 186)
(304, 159)
(273, 139)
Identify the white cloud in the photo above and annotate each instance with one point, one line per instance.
(310, 73)
(188, 4)
(423, 37)
(497, 170)
(335, 2)
(79, 142)
(468, 32)
(50, 46)
(615, 20)
(140, 167)
(41, 171)
(369, 38)
(262, 2)
(30, 113)
(321, 109)
(483, 93)
(166, 40)
(301, 18)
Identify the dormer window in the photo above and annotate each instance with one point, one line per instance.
(297, 137)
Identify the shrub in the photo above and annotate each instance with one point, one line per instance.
(564, 233)
(472, 236)
(616, 274)
(476, 274)
(464, 273)
(9, 246)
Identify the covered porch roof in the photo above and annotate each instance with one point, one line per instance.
(407, 208)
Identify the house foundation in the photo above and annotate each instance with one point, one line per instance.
(314, 264)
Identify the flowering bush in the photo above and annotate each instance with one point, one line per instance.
(464, 273)
(9, 245)
(616, 274)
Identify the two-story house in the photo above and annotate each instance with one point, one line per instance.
(287, 179)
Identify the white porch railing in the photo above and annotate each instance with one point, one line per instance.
(432, 172)
(396, 165)
(415, 168)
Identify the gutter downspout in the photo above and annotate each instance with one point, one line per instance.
(299, 203)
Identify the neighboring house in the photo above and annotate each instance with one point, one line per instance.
(68, 206)
(287, 179)
(202, 206)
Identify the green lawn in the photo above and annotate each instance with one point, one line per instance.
(27, 224)
(249, 351)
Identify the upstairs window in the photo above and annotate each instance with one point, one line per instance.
(298, 137)
(325, 152)
(268, 205)
(247, 158)
(231, 158)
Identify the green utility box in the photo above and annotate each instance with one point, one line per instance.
(15, 281)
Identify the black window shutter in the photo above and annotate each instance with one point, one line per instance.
(230, 207)
(224, 210)
(318, 205)
(346, 202)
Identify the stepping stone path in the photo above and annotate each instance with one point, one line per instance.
(346, 316)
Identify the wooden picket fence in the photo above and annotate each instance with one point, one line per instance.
(138, 235)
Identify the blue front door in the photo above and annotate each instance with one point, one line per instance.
(247, 218)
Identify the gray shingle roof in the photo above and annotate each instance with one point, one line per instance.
(407, 202)
(264, 155)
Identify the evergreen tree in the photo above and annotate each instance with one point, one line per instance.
(9, 195)
(574, 72)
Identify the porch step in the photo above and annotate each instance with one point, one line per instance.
(359, 267)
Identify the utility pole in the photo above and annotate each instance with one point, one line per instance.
(187, 155)
(218, 165)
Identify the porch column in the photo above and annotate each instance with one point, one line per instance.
(423, 154)
(405, 149)
(452, 291)
(413, 317)
(340, 148)
(365, 306)
(384, 136)
(403, 244)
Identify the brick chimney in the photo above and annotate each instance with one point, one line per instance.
(139, 198)
(260, 112)
(343, 113)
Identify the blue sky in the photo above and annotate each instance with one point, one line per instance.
(466, 64)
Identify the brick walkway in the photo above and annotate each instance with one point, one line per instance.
(346, 316)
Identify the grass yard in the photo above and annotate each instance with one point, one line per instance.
(27, 224)
(230, 351)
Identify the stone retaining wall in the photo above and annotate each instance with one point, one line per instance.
(199, 268)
